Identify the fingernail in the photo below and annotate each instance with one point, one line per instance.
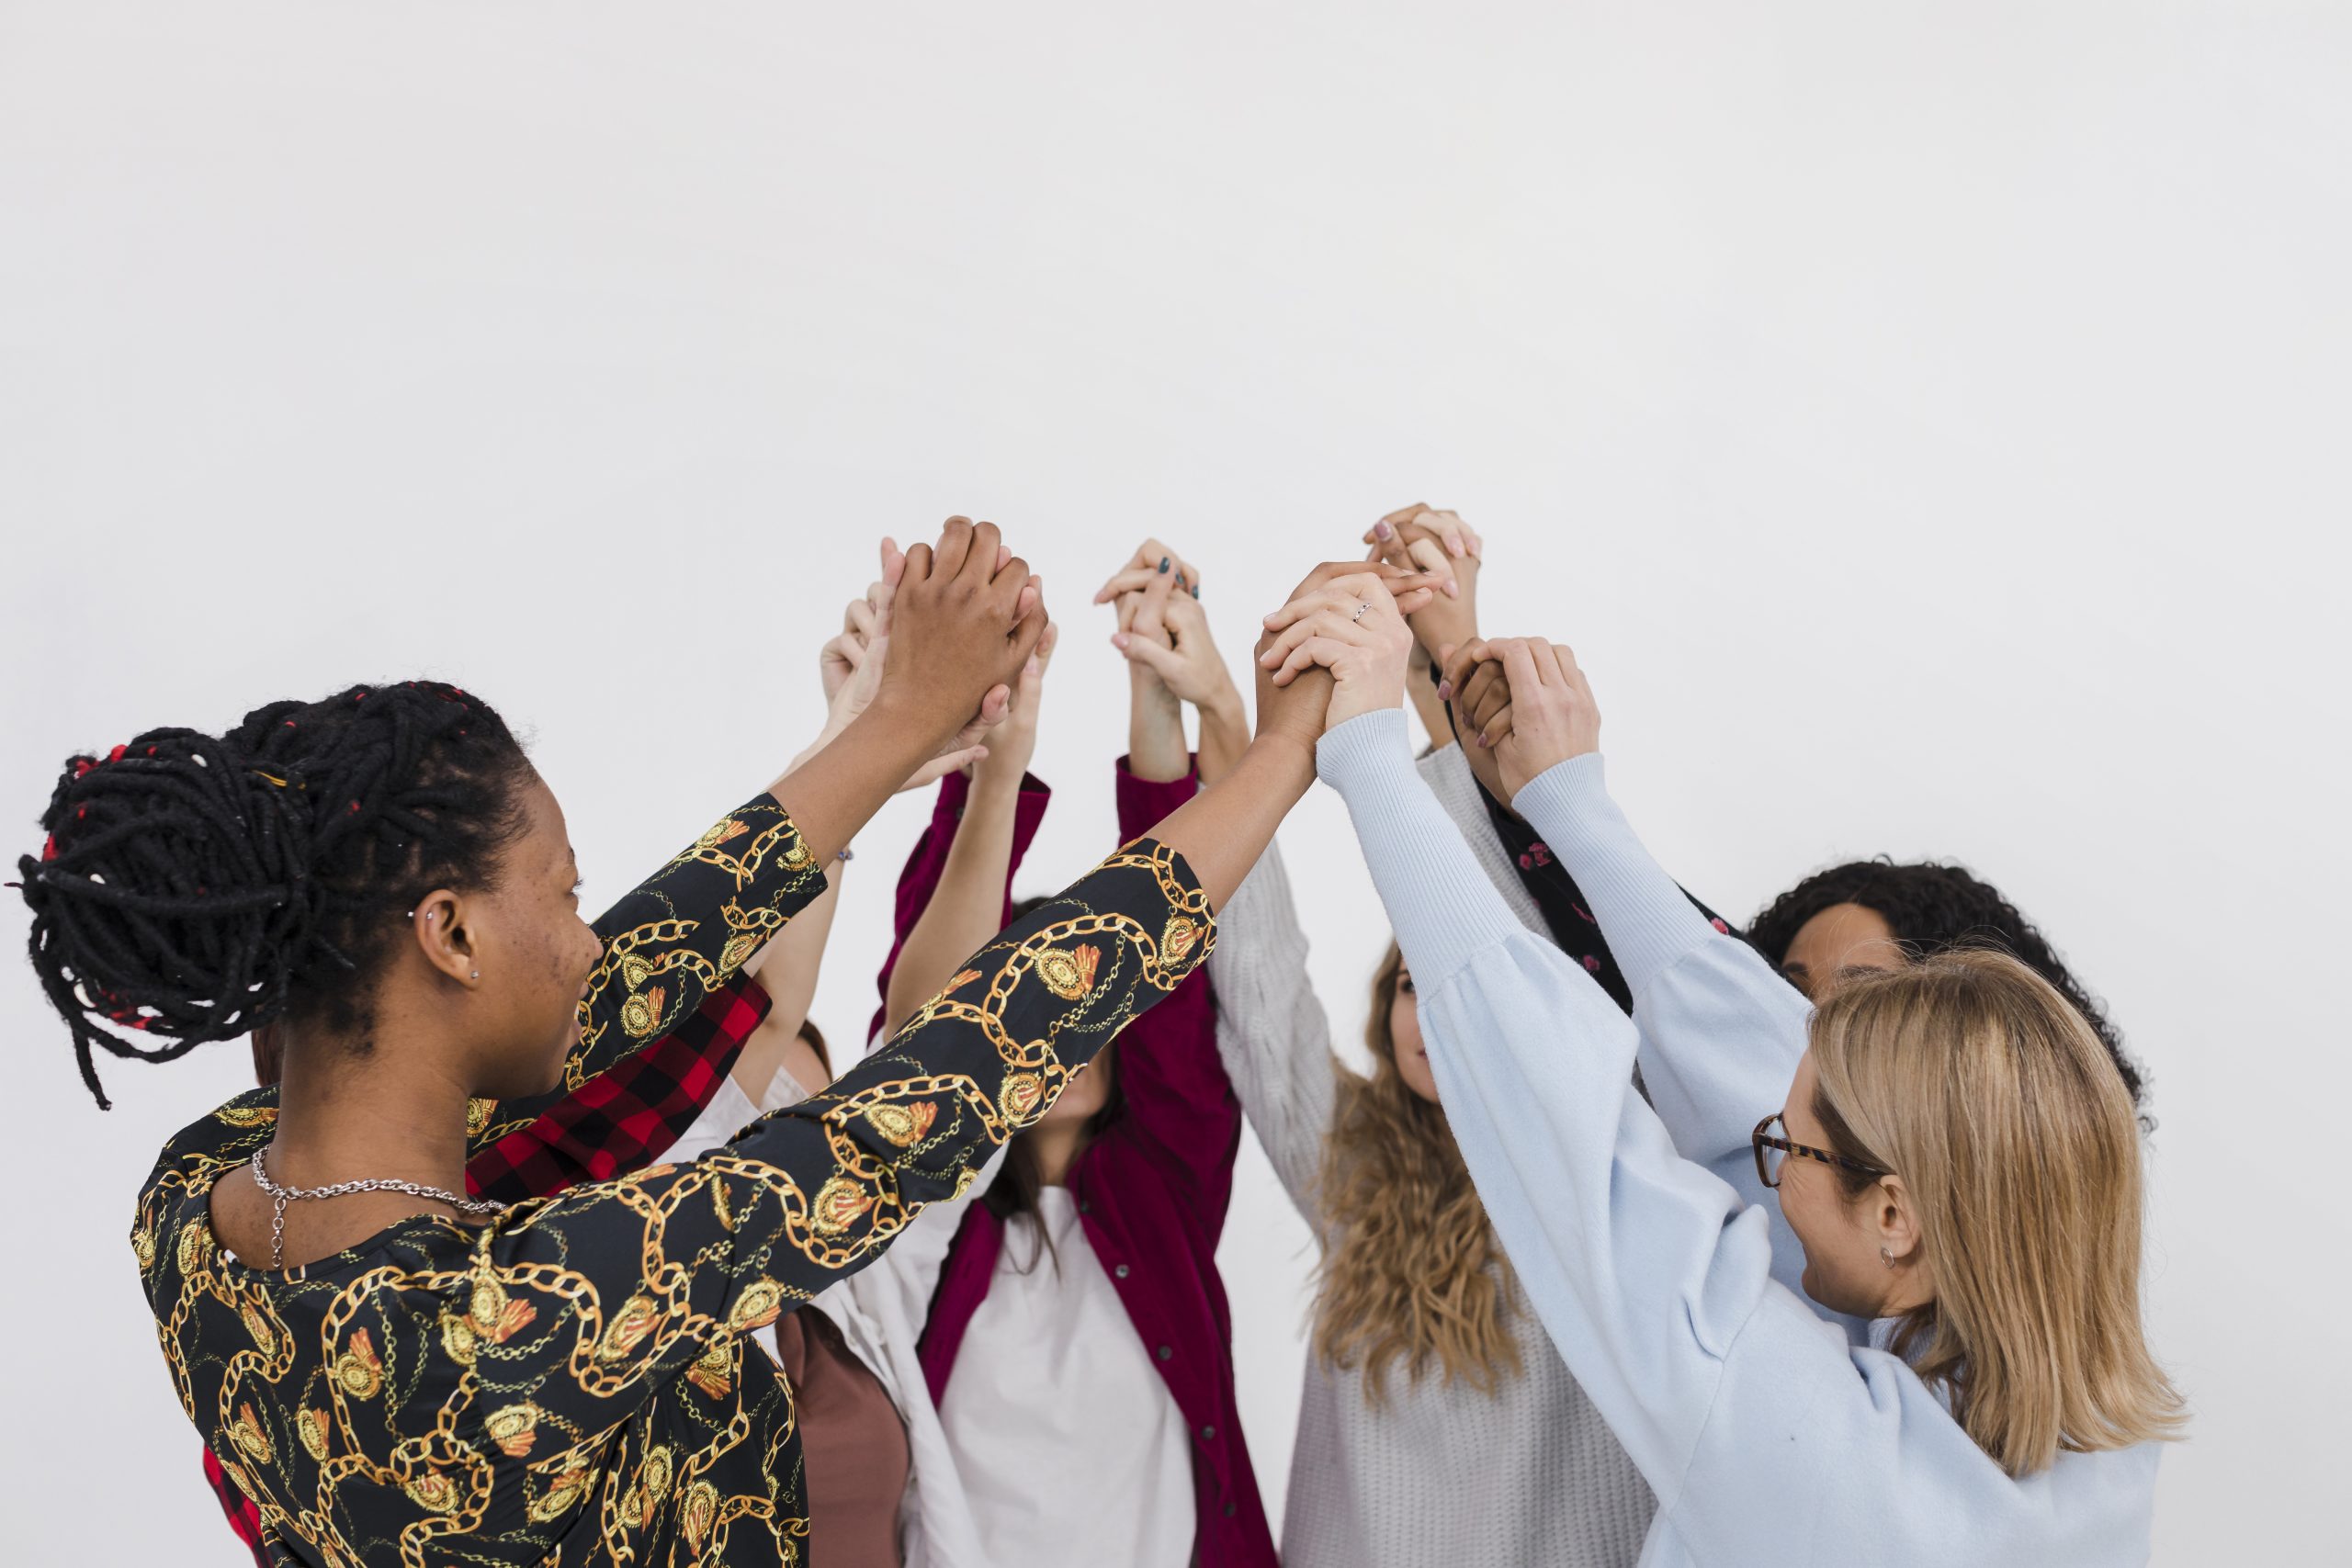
(1479, 741)
(1457, 546)
(1444, 690)
(1163, 563)
(1383, 532)
(1452, 590)
(1119, 641)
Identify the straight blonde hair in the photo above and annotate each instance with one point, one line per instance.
(1971, 1077)
(1412, 1275)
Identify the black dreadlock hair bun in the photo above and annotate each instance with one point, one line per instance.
(194, 887)
(1933, 908)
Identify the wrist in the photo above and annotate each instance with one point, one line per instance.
(1443, 624)
(1224, 708)
(1147, 690)
(999, 773)
(903, 732)
(1285, 760)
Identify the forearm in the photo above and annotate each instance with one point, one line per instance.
(1225, 735)
(788, 966)
(788, 969)
(1419, 685)
(967, 907)
(1222, 832)
(1156, 748)
(1271, 1031)
(1650, 921)
(1610, 1233)
(834, 792)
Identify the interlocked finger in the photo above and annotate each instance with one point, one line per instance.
(1326, 652)
(1459, 663)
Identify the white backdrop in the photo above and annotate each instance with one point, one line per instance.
(1926, 421)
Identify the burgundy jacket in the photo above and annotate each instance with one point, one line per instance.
(1151, 1193)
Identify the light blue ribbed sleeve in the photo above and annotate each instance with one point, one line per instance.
(1721, 1032)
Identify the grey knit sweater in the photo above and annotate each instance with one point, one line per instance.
(1440, 1477)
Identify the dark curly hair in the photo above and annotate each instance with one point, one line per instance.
(1931, 908)
(195, 887)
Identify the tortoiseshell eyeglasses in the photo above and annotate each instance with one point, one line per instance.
(1769, 1150)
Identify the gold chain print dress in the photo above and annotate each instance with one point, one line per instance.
(572, 1384)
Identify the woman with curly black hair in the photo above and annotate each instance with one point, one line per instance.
(1874, 914)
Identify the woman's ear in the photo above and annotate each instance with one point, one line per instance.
(438, 925)
(1894, 1214)
(1892, 1217)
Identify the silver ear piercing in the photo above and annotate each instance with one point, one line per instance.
(1886, 1254)
(1890, 1263)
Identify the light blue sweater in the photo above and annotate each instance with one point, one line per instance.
(1669, 1284)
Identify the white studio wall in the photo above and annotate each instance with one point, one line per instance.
(1925, 422)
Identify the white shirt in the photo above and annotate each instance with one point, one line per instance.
(1069, 1447)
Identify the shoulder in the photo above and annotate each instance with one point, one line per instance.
(174, 1199)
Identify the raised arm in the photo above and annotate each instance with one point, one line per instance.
(647, 1102)
(649, 1271)
(1272, 1033)
(1721, 1032)
(1635, 1260)
(1653, 1279)
(967, 904)
(1171, 662)
(1180, 1105)
(657, 1265)
(1615, 1236)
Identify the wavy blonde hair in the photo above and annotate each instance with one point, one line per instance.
(1972, 1078)
(1411, 1272)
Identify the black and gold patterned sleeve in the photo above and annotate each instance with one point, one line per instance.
(669, 943)
(636, 1279)
(673, 939)
(686, 929)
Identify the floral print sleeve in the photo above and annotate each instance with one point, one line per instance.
(571, 1384)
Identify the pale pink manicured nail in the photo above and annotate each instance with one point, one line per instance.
(1119, 641)
(1444, 690)
(1383, 532)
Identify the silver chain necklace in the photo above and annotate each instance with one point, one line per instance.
(281, 1196)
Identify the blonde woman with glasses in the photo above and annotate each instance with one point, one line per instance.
(1956, 1160)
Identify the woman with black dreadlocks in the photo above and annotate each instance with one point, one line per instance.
(387, 1369)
